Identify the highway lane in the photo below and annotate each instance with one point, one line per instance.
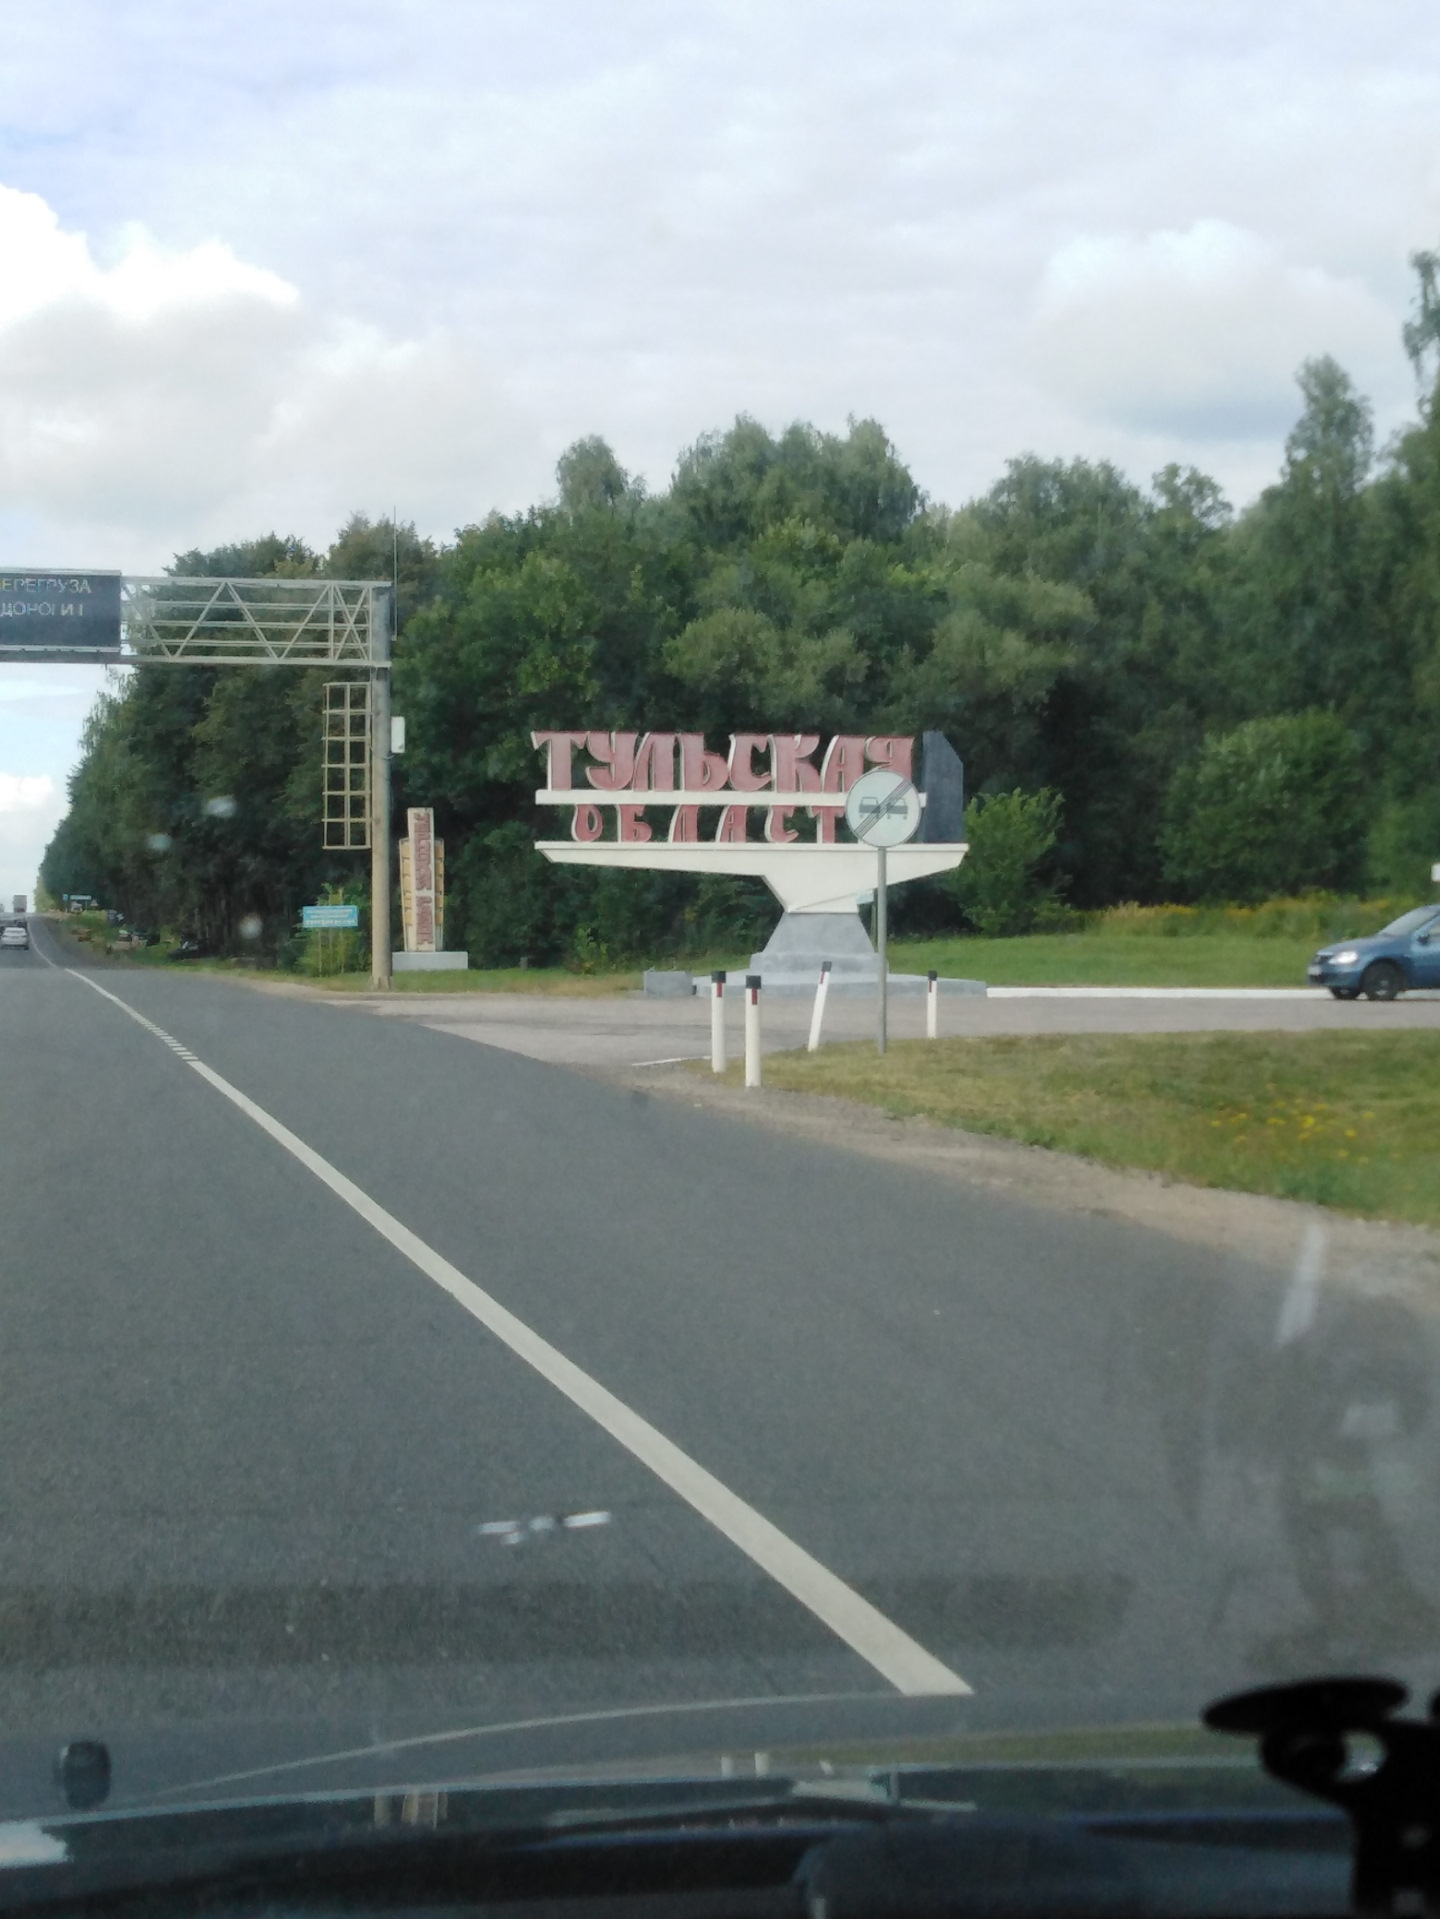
(246, 1444)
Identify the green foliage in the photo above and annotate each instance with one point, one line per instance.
(1001, 886)
(1188, 697)
(1276, 806)
(197, 801)
(1313, 919)
(1405, 843)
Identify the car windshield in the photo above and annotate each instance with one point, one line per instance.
(681, 1093)
(1410, 922)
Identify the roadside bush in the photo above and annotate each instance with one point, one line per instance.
(1003, 888)
(1316, 916)
(1274, 807)
(1405, 843)
(322, 951)
(515, 906)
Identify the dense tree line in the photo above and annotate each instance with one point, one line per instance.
(1203, 705)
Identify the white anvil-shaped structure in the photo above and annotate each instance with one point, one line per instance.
(819, 873)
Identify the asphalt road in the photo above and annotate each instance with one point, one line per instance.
(248, 1438)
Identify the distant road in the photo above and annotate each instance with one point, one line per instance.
(297, 1301)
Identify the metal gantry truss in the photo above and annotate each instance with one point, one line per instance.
(268, 622)
(348, 719)
(278, 622)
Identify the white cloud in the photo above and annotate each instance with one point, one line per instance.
(144, 281)
(186, 397)
(1195, 333)
(31, 807)
(25, 792)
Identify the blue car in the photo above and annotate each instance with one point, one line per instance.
(1403, 954)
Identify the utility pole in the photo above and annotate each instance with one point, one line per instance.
(382, 612)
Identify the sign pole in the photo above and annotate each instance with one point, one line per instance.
(381, 960)
(882, 941)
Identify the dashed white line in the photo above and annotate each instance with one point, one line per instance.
(867, 1631)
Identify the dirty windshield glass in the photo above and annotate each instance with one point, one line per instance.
(704, 717)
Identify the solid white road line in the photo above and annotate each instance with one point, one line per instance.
(878, 1640)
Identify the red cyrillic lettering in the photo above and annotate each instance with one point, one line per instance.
(588, 823)
(843, 763)
(633, 827)
(701, 771)
(887, 749)
(790, 757)
(616, 753)
(778, 829)
(655, 764)
(731, 830)
(558, 747)
(743, 776)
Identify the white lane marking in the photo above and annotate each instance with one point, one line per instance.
(1302, 1296)
(679, 1059)
(867, 1631)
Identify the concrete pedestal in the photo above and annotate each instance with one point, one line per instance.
(430, 962)
(792, 957)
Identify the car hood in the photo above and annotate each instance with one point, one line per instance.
(1372, 945)
(1192, 1790)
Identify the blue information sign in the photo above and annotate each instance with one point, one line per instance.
(71, 614)
(328, 917)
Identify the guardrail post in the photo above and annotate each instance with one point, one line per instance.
(819, 1014)
(717, 1022)
(752, 1029)
(932, 1006)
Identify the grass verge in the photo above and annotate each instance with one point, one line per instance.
(1099, 958)
(1348, 1120)
(552, 981)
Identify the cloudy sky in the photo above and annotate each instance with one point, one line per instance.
(262, 264)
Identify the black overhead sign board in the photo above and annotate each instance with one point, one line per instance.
(66, 614)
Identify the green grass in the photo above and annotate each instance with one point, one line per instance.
(1102, 958)
(92, 933)
(1264, 945)
(1349, 1120)
(554, 981)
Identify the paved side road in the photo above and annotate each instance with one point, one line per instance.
(631, 1031)
(250, 1433)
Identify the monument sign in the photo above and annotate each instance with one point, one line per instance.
(771, 807)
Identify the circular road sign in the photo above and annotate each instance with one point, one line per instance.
(882, 808)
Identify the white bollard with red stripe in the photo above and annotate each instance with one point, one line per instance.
(717, 1022)
(752, 1029)
(932, 1006)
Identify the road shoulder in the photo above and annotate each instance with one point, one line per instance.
(1371, 1253)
